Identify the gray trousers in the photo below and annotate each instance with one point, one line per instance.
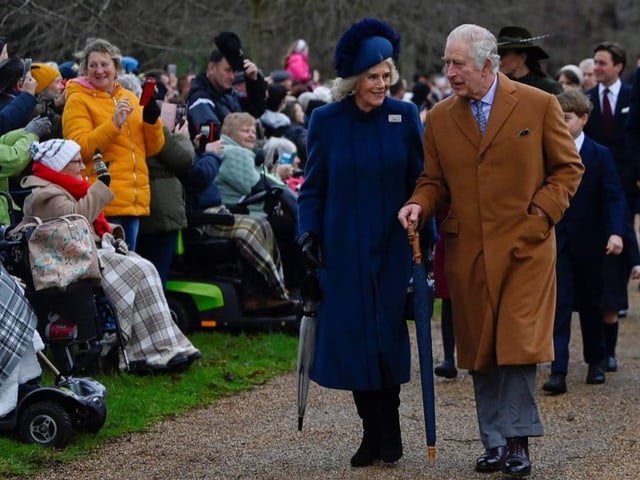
(506, 404)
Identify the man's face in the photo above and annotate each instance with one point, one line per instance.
(589, 77)
(220, 74)
(604, 69)
(465, 78)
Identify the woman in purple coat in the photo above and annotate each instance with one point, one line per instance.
(364, 156)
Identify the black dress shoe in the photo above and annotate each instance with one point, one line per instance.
(446, 369)
(612, 364)
(516, 463)
(595, 374)
(491, 460)
(556, 384)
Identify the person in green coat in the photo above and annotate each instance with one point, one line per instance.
(15, 156)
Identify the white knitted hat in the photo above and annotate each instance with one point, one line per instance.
(55, 153)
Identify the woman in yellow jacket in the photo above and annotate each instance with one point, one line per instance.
(100, 114)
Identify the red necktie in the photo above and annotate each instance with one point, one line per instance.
(607, 116)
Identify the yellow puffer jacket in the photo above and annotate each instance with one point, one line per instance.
(88, 120)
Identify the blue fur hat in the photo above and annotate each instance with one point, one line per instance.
(365, 44)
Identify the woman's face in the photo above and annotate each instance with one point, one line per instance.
(74, 167)
(55, 88)
(101, 71)
(298, 113)
(372, 87)
(245, 135)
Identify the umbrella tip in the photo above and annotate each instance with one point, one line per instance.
(431, 453)
(300, 420)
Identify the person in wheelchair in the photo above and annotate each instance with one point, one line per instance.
(132, 283)
(253, 237)
(19, 342)
(239, 176)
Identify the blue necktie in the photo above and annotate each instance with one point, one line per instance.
(478, 113)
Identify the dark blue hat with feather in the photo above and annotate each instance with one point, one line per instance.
(365, 44)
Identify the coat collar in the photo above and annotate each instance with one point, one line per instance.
(503, 104)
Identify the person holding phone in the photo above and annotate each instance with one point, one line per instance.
(212, 95)
(17, 95)
(99, 113)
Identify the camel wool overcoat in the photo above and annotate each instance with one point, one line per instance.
(500, 261)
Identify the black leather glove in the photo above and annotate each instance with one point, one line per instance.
(101, 170)
(39, 126)
(310, 288)
(151, 112)
(311, 250)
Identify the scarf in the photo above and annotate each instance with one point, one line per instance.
(78, 189)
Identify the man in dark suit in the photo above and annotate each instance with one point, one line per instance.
(606, 125)
(500, 153)
(592, 226)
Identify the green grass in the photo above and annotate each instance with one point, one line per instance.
(230, 363)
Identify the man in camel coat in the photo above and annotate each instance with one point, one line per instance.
(509, 177)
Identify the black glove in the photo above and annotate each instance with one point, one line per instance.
(311, 250)
(310, 288)
(151, 112)
(101, 170)
(39, 126)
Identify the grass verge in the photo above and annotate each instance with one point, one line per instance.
(230, 363)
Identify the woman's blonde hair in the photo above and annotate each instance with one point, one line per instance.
(235, 121)
(346, 86)
(99, 45)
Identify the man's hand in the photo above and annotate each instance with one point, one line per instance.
(250, 69)
(409, 213)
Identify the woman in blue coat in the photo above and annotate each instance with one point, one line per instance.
(364, 156)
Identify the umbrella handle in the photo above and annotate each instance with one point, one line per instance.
(414, 240)
(431, 453)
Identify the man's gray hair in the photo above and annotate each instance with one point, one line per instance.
(483, 44)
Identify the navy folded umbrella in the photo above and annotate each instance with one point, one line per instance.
(423, 311)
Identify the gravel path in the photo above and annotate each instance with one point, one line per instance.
(592, 432)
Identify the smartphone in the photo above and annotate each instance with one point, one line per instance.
(287, 158)
(26, 69)
(172, 69)
(181, 112)
(148, 91)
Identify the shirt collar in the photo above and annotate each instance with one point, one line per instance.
(579, 141)
(614, 88)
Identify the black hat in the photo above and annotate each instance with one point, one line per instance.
(229, 45)
(518, 38)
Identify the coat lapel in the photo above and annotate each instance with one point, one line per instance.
(503, 104)
(463, 117)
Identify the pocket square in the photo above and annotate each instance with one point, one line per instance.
(523, 132)
(624, 110)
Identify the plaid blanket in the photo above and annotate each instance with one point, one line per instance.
(17, 324)
(134, 287)
(256, 243)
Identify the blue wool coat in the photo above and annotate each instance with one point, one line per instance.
(360, 170)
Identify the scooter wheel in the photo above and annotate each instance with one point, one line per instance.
(46, 423)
